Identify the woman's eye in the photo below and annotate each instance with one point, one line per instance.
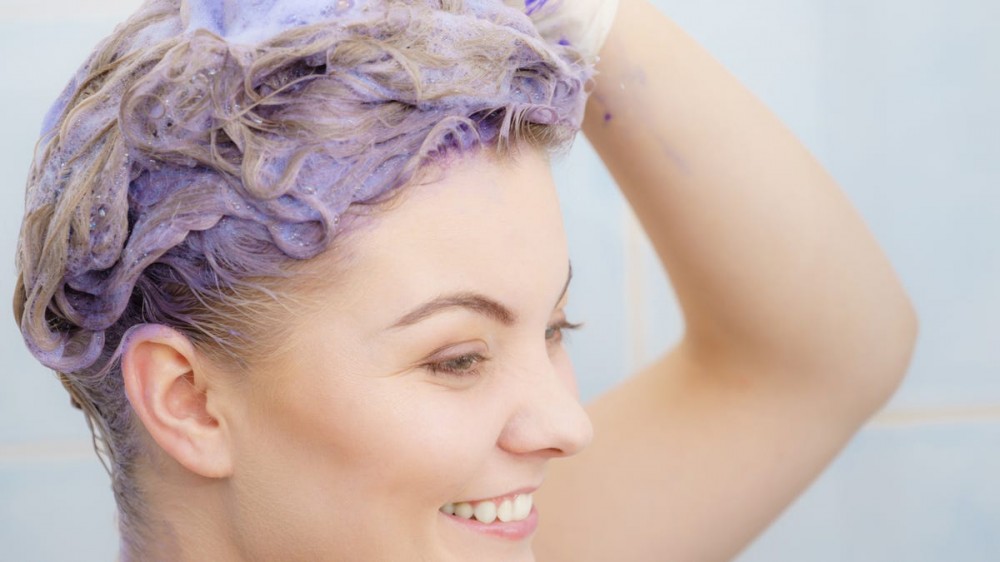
(554, 333)
(459, 366)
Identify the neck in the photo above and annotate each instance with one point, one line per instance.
(183, 520)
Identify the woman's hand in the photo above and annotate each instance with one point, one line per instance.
(584, 24)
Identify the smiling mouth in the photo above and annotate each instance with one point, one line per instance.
(505, 509)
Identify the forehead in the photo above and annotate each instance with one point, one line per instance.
(480, 224)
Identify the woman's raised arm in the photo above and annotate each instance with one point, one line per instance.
(797, 328)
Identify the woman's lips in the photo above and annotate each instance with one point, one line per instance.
(510, 516)
(513, 506)
(511, 530)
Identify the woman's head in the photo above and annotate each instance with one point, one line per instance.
(429, 372)
(204, 174)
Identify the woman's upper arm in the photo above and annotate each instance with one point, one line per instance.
(691, 459)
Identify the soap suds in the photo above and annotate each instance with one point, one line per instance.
(222, 138)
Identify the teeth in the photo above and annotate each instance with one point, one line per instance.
(464, 510)
(505, 512)
(522, 506)
(487, 512)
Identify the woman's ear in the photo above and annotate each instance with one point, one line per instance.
(174, 398)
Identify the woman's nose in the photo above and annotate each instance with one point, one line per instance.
(549, 419)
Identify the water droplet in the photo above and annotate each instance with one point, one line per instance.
(102, 211)
(343, 5)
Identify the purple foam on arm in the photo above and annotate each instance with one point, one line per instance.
(532, 6)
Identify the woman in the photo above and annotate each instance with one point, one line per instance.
(278, 256)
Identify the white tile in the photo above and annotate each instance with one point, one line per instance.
(900, 100)
(924, 493)
(33, 405)
(594, 212)
(913, 106)
(73, 11)
(56, 511)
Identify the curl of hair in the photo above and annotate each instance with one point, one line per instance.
(178, 169)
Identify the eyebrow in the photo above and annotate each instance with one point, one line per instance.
(476, 302)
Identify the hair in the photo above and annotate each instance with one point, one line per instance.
(182, 173)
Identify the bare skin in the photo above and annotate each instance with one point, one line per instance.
(346, 444)
(797, 328)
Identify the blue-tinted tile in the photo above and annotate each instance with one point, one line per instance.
(57, 510)
(61, 48)
(593, 212)
(921, 494)
(913, 101)
(903, 109)
(663, 317)
(33, 405)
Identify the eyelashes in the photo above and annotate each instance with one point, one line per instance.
(555, 332)
(459, 366)
(469, 364)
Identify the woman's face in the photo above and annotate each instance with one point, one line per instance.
(432, 373)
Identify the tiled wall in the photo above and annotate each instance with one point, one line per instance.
(899, 99)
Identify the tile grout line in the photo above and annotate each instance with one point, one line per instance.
(909, 417)
(77, 450)
(635, 294)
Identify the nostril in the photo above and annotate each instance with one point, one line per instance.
(549, 421)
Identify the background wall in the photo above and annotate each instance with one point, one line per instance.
(900, 100)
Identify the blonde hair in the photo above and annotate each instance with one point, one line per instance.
(179, 174)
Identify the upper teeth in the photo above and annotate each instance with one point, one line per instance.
(488, 511)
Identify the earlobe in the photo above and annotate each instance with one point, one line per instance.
(171, 395)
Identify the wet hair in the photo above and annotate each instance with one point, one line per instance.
(197, 154)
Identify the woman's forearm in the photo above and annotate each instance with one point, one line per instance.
(769, 260)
